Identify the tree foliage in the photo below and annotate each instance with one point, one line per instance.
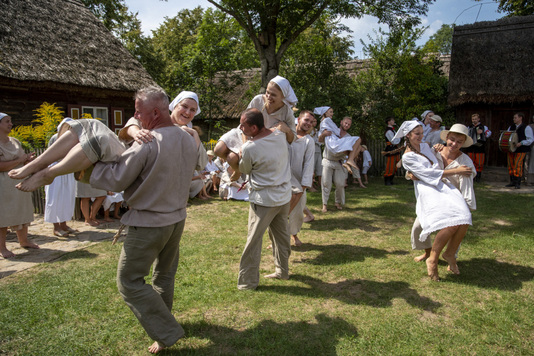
(273, 25)
(402, 80)
(441, 41)
(516, 7)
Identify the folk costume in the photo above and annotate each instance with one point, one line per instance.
(392, 154)
(477, 151)
(516, 159)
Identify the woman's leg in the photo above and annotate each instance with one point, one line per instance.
(57, 151)
(3, 248)
(452, 247)
(75, 160)
(22, 235)
(353, 155)
(95, 207)
(442, 238)
(233, 161)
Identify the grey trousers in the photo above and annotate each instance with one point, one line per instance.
(151, 304)
(259, 219)
(338, 174)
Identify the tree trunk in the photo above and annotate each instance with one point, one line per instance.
(269, 64)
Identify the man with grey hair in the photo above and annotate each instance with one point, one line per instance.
(155, 177)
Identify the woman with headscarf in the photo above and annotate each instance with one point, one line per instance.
(276, 106)
(16, 209)
(440, 206)
(183, 108)
(60, 196)
(334, 142)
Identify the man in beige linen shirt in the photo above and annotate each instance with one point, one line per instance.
(265, 159)
(155, 177)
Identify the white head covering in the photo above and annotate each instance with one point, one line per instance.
(423, 115)
(405, 128)
(458, 128)
(321, 110)
(290, 99)
(2, 115)
(185, 95)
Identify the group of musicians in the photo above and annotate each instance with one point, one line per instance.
(516, 142)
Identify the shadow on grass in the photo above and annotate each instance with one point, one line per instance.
(492, 274)
(341, 253)
(357, 291)
(341, 222)
(318, 337)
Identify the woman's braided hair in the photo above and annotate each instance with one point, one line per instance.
(409, 144)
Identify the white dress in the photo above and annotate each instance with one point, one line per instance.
(60, 196)
(463, 183)
(439, 203)
(335, 143)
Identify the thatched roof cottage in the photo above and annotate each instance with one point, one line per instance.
(492, 73)
(58, 51)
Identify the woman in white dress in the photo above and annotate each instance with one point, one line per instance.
(440, 206)
(334, 142)
(60, 197)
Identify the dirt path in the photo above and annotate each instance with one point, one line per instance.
(52, 247)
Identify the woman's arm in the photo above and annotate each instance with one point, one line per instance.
(9, 165)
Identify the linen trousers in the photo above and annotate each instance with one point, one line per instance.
(296, 217)
(259, 219)
(333, 170)
(151, 304)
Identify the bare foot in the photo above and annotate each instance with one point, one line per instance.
(324, 209)
(7, 254)
(92, 223)
(61, 233)
(235, 176)
(338, 206)
(351, 163)
(309, 218)
(312, 190)
(276, 276)
(270, 247)
(362, 186)
(71, 230)
(108, 220)
(347, 167)
(155, 348)
(35, 181)
(24, 171)
(432, 270)
(421, 258)
(452, 267)
(297, 240)
(30, 245)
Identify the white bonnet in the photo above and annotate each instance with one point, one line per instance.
(321, 110)
(185, 95)
(290, 99)
(405, 128)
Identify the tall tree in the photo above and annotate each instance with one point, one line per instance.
(441, 41)
(273, 25)
(401, 80)
(516, 7)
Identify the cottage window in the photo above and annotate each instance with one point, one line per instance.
(97, 113)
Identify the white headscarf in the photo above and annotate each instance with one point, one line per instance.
(185, 95)
(406, 128)
(2, 115)
(423, 115)
(290, 99)
(321, 110)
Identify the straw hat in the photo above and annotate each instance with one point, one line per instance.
(458, 128)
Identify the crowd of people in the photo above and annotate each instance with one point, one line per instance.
(157, 162)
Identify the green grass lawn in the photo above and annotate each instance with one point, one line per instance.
(354, 288)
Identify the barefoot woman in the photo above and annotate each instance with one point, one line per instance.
(16, 209)
(440, 206)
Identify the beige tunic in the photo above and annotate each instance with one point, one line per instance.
(154, 176)
(284, 114)
(266, 161)
(16, 207)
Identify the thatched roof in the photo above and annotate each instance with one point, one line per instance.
(61, 41)
(492, 62)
